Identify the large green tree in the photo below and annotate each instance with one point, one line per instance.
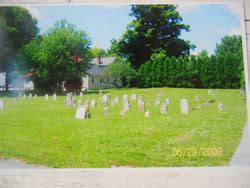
(17, 28)
(155, 28)
(62, 54)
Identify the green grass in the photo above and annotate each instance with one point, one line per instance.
(46, 133)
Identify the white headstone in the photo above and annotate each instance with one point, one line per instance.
(126, 106)
(69, 99)
(35, 96)
(54, 97)
(2, 105)
(20, 95)
(184, 106)
(104, 99)
(46, 97)
(30, 95)
(133, 97)
(24, 96)
(106, 111)
(125, 97)
(141, 106)
(164, 108)
(220, 106)
(93, 103)
(147, 114)
(116, 99)
(209, 92)
(167, 101)
(80, 113)
(81, 94)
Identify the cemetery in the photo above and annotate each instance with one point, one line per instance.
(122, 127)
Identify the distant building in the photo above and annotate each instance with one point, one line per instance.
(95, 78)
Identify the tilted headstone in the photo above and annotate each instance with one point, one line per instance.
(220, 106)
(196, 97)
(69, 99)
(93, 103)
(126, 106)
(157, 101)
(147, 114)
(54, 97)
(184, 106)
(2, 105)
(125, 97)
(141, 105)
(46, 97)
(123, 113)
(167, 101)
(80, 113)
(106, 111)
(133, 97)
(30, 95)
(164, 108)
(81, 94)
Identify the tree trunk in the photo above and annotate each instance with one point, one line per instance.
(7, 81)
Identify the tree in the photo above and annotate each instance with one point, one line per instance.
(98, 52)
(17, 28)
(155, 27)
(62, 54)
(114, 48)
(120, 71)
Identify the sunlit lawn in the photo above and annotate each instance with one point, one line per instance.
(46, 133)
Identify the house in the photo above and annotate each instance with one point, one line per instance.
(95, 78)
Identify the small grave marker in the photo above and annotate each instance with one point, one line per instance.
(141, 105)
(54, 97)
(106, 111)
(80, 113)
(46, 97)
(220, 106)
(184, 106)
(147, 114)
(164, 108)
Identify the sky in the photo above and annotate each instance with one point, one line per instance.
(208, 22)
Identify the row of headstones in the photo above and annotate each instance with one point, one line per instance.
(46, 96)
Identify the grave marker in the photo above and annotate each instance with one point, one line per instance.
(147, 114)
(164, 108)
(220, 106)
(106, 111)
(46, 97)
(2, 105)
(184, 106)
(80, 113)
(141, 105)
(54, 97)
(126, 106)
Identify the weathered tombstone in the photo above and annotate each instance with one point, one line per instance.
(20, 95)
(86, 106)
(104, 99)
(184, 106)
(167, 101)
(69, 99)
(147, 114)
(141, 105)
(80, 113)
(93, 103)
(46, 97)
(123, 113)
(2, 105)
(220, 106)
(106, 111)
(126, 106)
(30, 95)
(164, 108)
(125, 97)
(133, 97)
(35, 96)
(116, 99)
(157, 101)
(54, 97)
(209, 92)
(81, 94)
(196, 97)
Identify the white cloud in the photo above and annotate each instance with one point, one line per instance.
(184, 8)
(235, 31)
(34, 12)
(235, 8)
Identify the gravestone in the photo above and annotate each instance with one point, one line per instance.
(30, 95)
(54, 97)
(157, 101)
(106, 111)
(184, 106)
(113, 103)
(81, 94)
(141, 105)
(80, 113)
(220, 106)
(69, 99)
(116, 99)
(2, 105)
(167, 101)
(20, 95)
(196, 97)
(46, 97)
(24, 96)
(93, 103)
(164, 108)
(86, 106)
(209, 92)
(35, 96)
(104, 99)
(147, 114)
(123, 113)
(133, 97)
(125, 97)
(126, 106)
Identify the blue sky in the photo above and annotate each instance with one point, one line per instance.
(208, 22)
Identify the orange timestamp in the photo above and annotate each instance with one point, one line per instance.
(197, 152)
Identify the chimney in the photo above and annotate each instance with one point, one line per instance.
(98, 60)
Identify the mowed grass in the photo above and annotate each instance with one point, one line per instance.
(46, 132)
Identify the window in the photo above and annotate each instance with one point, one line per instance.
(93, 79)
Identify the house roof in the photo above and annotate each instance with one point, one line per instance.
(98, 69)
(104, 60)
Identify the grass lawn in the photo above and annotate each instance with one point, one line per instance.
(46, 133)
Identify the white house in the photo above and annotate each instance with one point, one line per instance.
(95, 78)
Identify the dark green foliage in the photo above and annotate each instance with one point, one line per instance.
(222, 70)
